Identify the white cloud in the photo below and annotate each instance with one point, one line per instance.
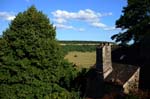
(103, 26)
(68, 27)
(110, 28)
(60, 20)
(89, 16)
(62, 26)
(7, 16)
(84, 15)
(99, 25)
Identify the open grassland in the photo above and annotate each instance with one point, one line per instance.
(82, 59)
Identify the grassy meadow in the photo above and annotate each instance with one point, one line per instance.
(82, 59)
(81, 53)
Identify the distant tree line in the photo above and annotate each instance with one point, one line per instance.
(80, 48)
(83, 42)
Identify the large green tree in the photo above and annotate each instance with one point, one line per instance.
(134, 22)
(31, 63)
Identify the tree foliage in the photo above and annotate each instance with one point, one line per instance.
(31, 63)
(79, 48)
(135, 22)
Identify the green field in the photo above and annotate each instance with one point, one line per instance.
(82, 59)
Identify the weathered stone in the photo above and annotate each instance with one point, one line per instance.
(103, 59)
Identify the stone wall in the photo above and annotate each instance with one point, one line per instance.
(133, 83)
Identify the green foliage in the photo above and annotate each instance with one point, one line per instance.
(31, 63)
(80, 48)
(134, 22)
(83, 42)
(63, 95)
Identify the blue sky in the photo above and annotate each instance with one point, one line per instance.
(74, 19)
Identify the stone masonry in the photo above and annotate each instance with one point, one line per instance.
(103, 59)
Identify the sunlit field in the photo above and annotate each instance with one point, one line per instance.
(82, 59)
